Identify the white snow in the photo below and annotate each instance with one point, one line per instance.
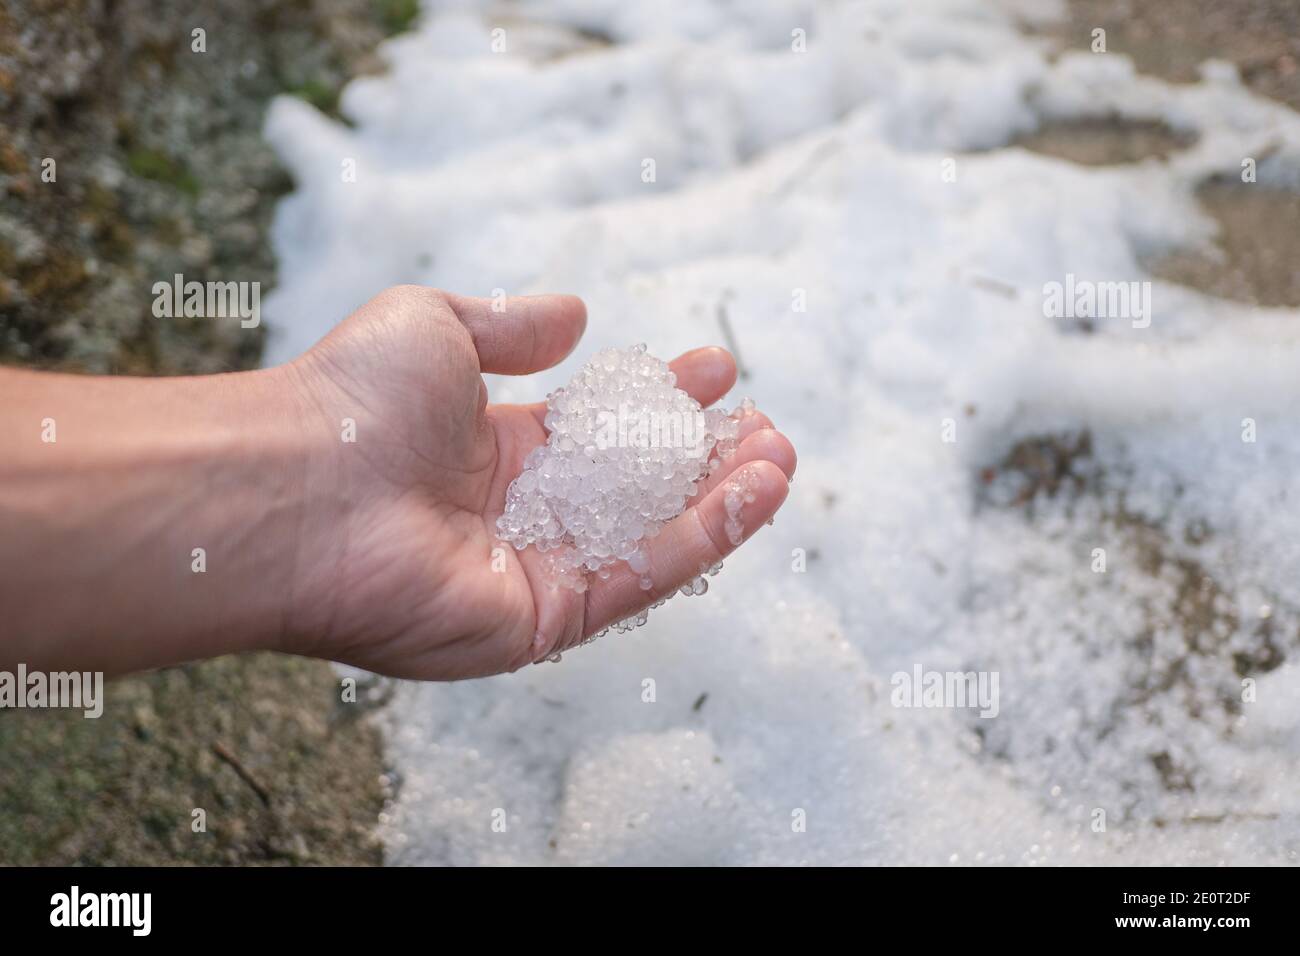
(819, 174)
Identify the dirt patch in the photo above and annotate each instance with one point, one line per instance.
(1256, 255)
(1217, 640)
(1105, 142)
(1043, 466)
(1172, 38)
(283, 770)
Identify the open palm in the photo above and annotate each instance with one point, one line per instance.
(402, 572)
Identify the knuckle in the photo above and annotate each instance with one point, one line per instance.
(408, 295)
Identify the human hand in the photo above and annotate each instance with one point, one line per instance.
(400, 576)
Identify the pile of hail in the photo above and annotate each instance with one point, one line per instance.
(626, 450)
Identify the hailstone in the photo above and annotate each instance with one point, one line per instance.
(625, 452)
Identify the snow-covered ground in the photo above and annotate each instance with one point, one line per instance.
(825, 175)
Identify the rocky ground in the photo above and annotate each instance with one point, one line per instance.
(282, 769)
(159, 164)
(159, 168)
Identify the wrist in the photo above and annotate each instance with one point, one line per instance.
(257, 508)
(306, 502)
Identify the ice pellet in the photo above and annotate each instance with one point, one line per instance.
(625, 453)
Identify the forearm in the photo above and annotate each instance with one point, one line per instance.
(108, 486)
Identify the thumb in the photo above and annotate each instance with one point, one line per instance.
(521, 334)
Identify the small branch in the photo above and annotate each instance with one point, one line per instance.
(989, 284)
(819, 154)
(730, 337)
(246, 775)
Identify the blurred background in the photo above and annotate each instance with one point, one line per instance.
(869, 203)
